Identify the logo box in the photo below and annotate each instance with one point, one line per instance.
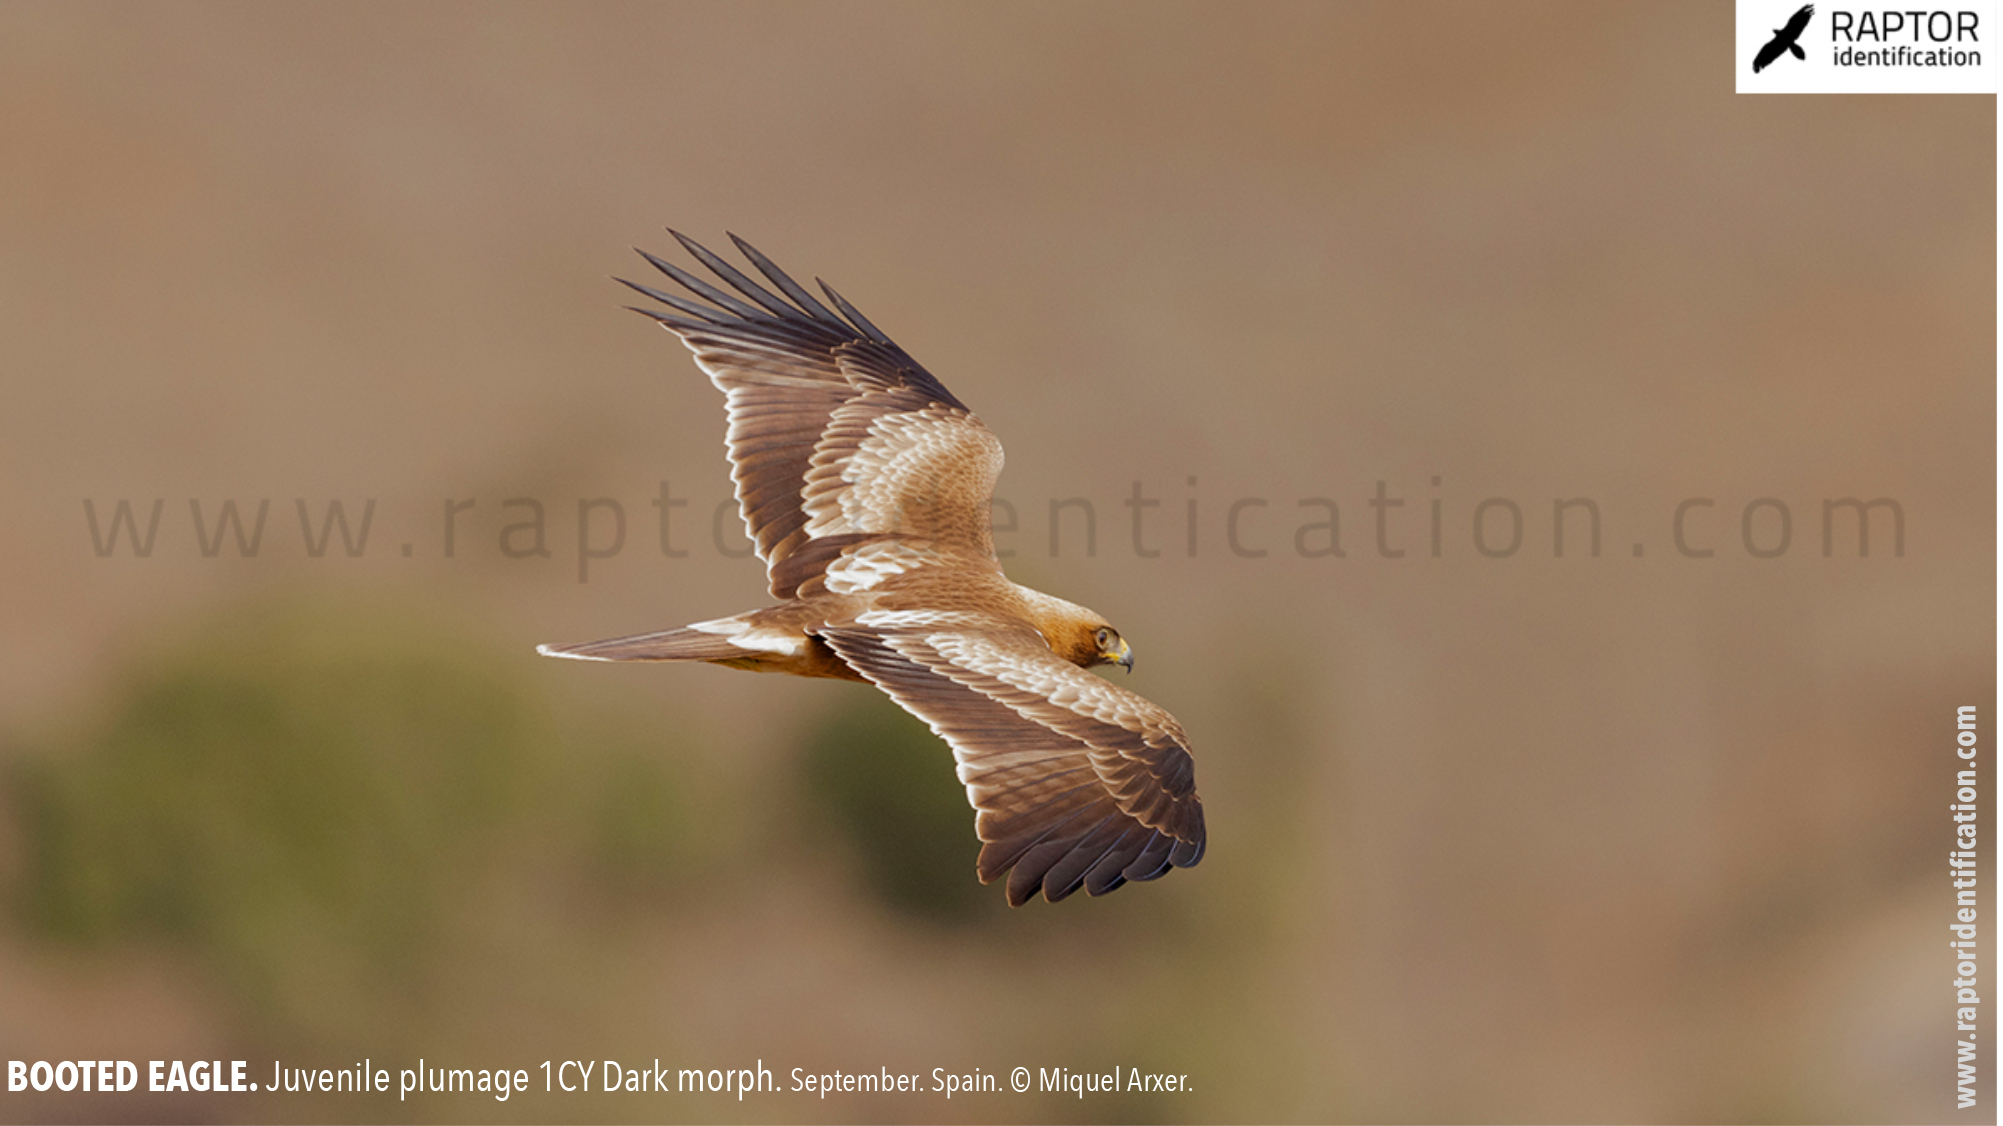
(1791, 47)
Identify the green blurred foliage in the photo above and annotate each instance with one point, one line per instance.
(316, 799)
(886, 784)
(641, 836)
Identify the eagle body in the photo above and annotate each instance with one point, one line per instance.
(866, 488)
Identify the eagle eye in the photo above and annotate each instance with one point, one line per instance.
(1105, 635)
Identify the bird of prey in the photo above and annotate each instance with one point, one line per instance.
(865, 486)
(1785, 40)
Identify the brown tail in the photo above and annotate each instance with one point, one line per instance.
(666, 645)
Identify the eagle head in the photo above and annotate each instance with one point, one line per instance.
(1107, 647)
(1074, 633)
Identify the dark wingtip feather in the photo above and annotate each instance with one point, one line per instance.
(703, 289)
(735, 278)
(677, 325)
(1186, 854)
(786, 284)
(1153, 861)
(682, 303)
(856, 319)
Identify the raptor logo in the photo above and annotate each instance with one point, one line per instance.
(1786, 40)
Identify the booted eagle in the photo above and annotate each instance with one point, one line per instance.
(865, 486)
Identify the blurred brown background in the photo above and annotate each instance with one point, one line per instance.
(1627, 837)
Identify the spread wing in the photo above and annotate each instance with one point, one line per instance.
(1798, 23)
(836, 436)
(1075, 782)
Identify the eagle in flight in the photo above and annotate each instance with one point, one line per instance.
(1785, 40)
(865, 486)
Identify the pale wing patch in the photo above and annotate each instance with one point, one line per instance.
(1062, 684)
(759, 639)
(553, 651)
(922, 619)
(866, 567)
(913, 472)
(771, 641)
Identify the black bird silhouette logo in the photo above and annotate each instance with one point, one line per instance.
(1786, 40)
